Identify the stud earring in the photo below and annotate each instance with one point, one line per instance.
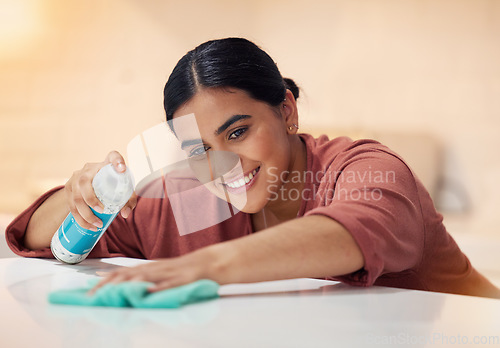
(294, 125)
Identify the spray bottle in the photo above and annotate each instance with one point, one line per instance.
(71, 243)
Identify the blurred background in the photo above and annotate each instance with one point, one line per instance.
(81, 78)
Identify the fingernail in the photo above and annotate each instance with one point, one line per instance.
(120, 166)
(97, 224)
(98, 209)
(126, 212)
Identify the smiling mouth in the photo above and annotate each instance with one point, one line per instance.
(242, 181)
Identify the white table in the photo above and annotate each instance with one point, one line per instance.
(291, 313)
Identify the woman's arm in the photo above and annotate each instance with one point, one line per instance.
(312, 246)
(45, 221)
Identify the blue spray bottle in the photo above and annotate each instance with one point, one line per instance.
(71, 243)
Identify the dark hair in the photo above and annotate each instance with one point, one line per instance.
(230, 62)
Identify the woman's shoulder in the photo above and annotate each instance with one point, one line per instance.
(339, 143)
(324, 151)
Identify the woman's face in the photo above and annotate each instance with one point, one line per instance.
(230, 120)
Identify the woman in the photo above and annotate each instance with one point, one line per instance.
(357, 213)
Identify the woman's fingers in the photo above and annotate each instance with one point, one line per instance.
(84, 216)
(111, 278)
(78, 207)
(118, 163)
(102, 273)
(127, 209)
(164, 285)
(116, 160)
(164, 274)
(138, 273)
(84, 187)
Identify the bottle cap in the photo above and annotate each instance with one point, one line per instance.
(113, 189)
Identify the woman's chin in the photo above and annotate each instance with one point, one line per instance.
(252, 207)
(244, 201)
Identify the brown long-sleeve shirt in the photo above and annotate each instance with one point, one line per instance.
(361, 184)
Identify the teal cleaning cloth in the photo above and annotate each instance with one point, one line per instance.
(135, 294)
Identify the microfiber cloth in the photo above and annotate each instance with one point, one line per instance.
(135, 294)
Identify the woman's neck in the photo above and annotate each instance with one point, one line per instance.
(289, 201)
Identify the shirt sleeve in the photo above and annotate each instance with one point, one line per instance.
(120, 239)
(375, 197)
(14, 233)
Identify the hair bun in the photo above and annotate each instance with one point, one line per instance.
(292, 86)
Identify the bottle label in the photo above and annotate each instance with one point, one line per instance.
(78, 240)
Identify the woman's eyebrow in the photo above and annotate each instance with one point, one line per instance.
(229, 122)
(225, 125)
(190, 142)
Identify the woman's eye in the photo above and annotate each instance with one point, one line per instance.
(237, 133)
(200, 150)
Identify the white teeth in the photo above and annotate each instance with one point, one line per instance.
(241, 182)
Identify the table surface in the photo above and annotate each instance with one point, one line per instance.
(288, 313)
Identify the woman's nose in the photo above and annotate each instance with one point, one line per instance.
(222, 162)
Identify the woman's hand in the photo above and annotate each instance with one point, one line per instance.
(76, 197)
(80, 194)
(165, 273)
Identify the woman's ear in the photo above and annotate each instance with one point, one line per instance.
(290, 113)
